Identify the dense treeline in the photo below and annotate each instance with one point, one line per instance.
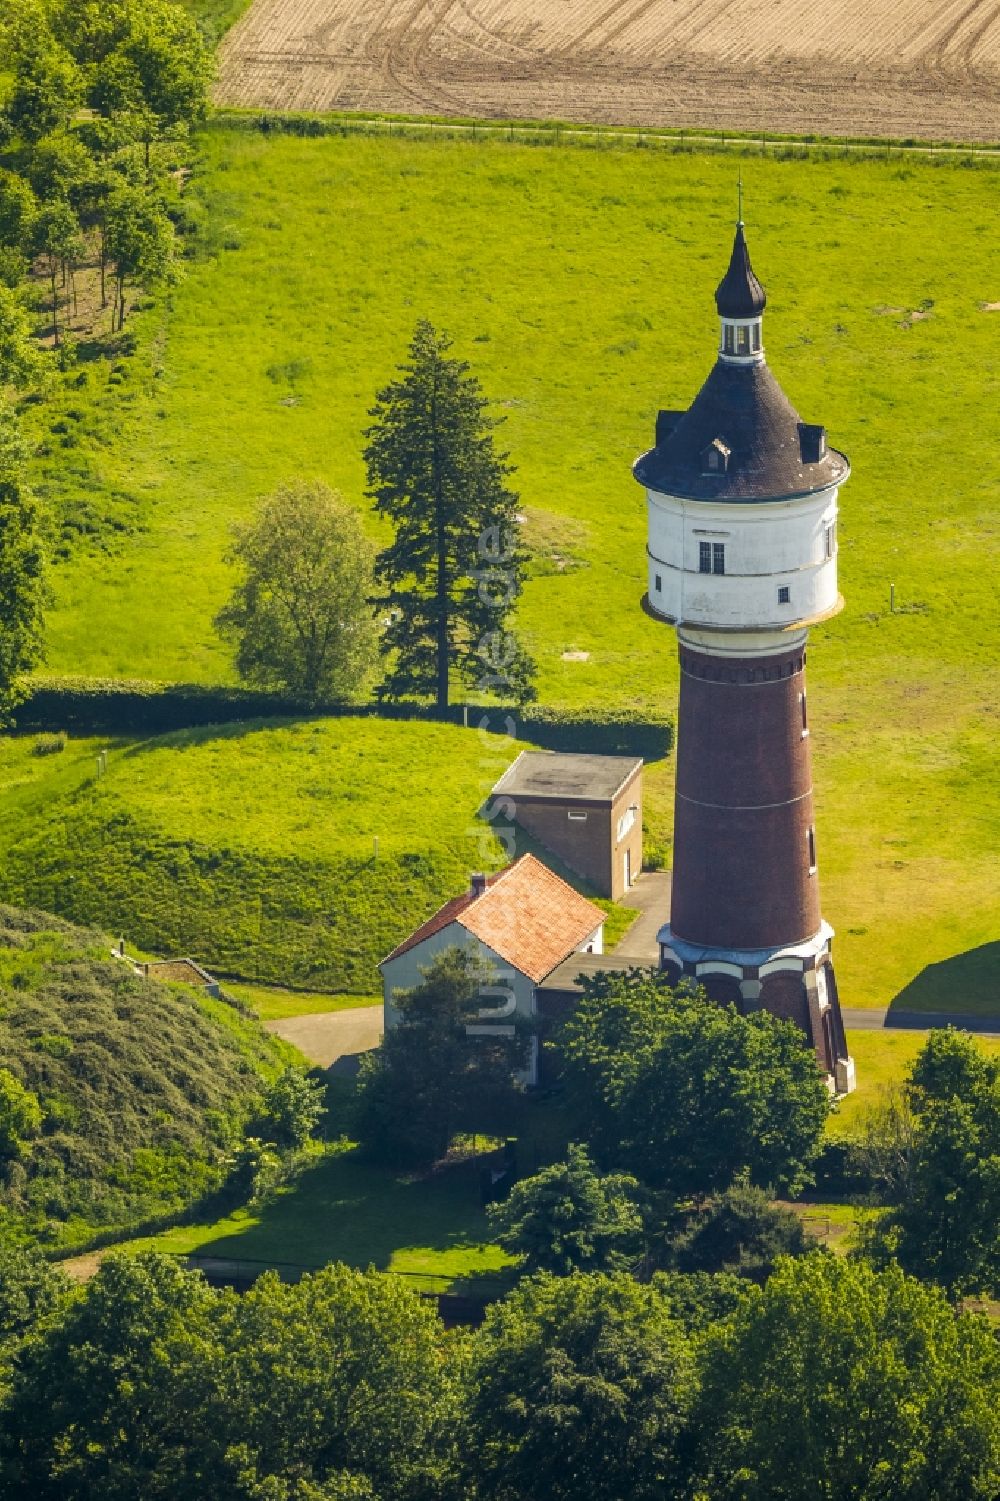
(834, 1380)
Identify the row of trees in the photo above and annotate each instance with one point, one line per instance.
(314, 605)
(99, 99)
(96, 101)
(834, 1380)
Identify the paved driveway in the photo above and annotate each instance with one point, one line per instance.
(651, 894)
(329, 1036)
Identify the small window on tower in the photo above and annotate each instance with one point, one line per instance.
(658, 584)
(718, 557)
(704, 557)
(784, 595)
(729, 339)
(805, 719)
(811, 839)
(756, 337)
(743, 339)
(830, 531)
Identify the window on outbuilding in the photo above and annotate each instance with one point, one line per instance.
(784, 595)
(718, 557)
(830, 533)
(704, 557)
(658, 583)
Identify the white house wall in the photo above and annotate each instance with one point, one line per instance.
(403, 972)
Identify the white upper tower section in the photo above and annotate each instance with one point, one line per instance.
(742, 495)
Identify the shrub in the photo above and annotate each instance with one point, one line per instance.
(49, 744)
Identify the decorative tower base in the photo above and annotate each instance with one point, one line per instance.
(796, 983)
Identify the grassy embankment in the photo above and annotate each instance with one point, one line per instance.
(253, 848)
(579, 283)
(144, 1090)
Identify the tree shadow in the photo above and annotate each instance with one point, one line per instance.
(967, 984)
(348, 1209)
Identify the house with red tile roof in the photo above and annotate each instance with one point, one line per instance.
(524, 921)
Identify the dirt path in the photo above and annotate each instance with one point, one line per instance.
(926, 68)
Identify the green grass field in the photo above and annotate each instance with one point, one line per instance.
(431, 1230)
(253, 847)
(579, 283)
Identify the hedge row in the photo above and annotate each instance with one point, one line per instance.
(106, 706)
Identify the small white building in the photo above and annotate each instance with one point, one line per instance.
(524, 922)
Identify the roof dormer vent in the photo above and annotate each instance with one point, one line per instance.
(812, 442)
(666, 421)
(715, 458)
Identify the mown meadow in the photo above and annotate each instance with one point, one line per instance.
(579, 284)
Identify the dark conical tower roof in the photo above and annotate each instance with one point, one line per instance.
(739, 293)
(742, 416)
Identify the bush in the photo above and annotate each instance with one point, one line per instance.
(49, 744)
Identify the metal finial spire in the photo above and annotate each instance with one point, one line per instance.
(739, 191)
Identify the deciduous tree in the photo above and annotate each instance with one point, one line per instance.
(838, 1381)
(140, 241)
(20, 1115)
(948, 1220)
(579, 1390)
(58, 242)
(21, 569)
(687, 1095)
(741, 1230)
(428, 1078)
(299, 615)
(46, 85)
(293, 1108)
(454, 572)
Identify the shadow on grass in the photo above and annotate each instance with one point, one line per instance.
(348, 1209)
(967, 984)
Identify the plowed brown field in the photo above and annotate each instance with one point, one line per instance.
(928, 68)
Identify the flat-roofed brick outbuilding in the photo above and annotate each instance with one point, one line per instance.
(587, 809)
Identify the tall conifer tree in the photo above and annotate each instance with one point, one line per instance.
(454, 572)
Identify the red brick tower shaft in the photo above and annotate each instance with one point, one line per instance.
(744, 874)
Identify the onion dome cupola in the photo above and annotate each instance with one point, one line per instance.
(763, 482)
(741, 301)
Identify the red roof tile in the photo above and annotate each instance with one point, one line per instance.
(527, 915)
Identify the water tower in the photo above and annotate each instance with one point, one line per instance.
(742, 551)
